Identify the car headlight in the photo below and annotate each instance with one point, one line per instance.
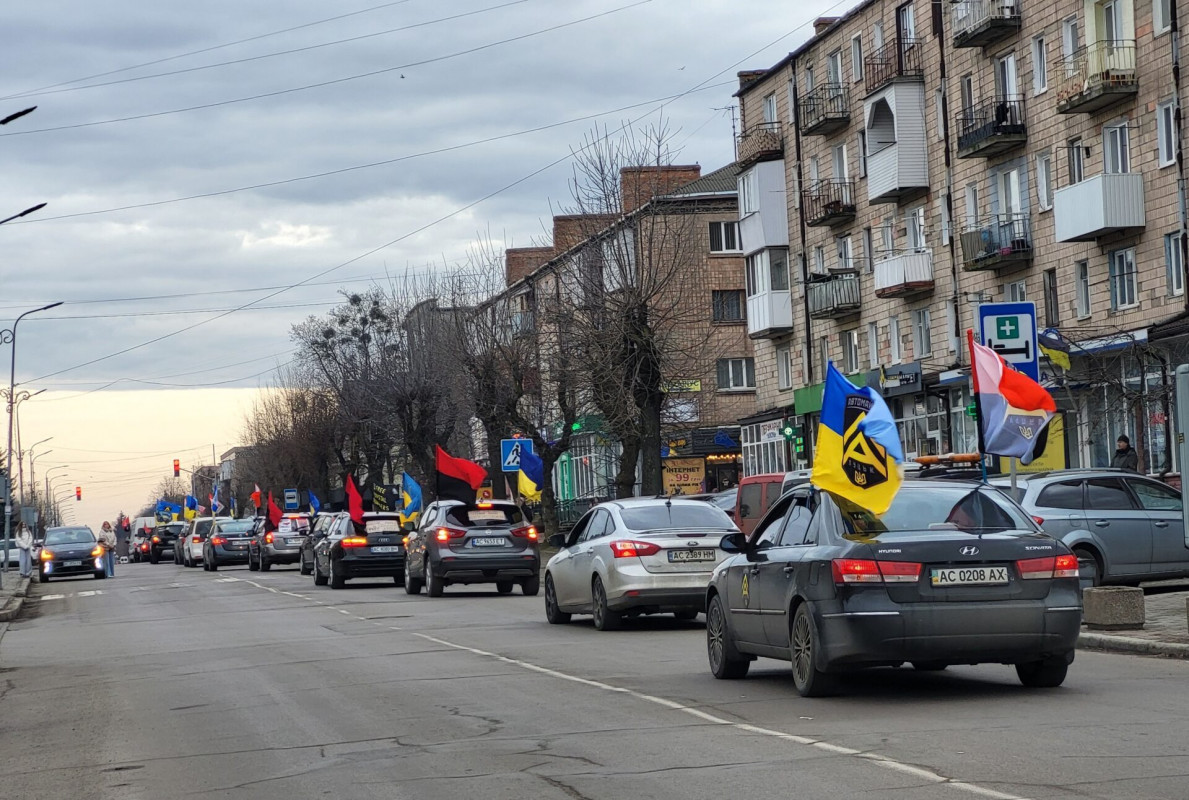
(98, 551)
(47, 555)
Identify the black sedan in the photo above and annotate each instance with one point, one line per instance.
(69, 551)
(227, 545)
(341, 552)
(952, 573)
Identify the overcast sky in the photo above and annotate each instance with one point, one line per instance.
(113, 82)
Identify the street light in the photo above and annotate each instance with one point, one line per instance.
(10, 337)
(49, 504)
(18, 115)
(27, 211)
(32, 474)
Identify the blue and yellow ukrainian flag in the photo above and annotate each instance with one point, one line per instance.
(531, 476)
(410, 492)
(858, 447)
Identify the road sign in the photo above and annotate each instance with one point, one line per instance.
(292, 499)
(510, 450)
(1010, 330)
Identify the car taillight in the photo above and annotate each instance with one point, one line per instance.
(631, 549)
(1038, 520)
(855, 570)
(156, 539)
(268, 538)
(355, 541)
(484, 505)
(900, 571)
(1031, 568)
(218, 540)
(446, 534)
(529, 532)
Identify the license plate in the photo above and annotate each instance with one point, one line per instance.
(386, 549)
(969, 576)
(691, 555)
(489, 541)
(237, 545)
(72, 563)
(293, 541)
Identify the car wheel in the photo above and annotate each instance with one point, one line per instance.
(337, 579)
(929, 666)
(43, 578)
(725, 661)
(504, 587)
(212, 562)
(809, 680)
(319, 578)
(553, 612)
(252, 565)
(412, 585)
(1043, 674)
(187, 561)
(265, 564)
(604, 618)
(100, 576)
(531, 586)
(433, 584)
(1088, 565)
(303, 569)
(686, 614)
(154, 557)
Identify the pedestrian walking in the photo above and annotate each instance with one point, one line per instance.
(1125, 456)
(25, 550)
(108, 537)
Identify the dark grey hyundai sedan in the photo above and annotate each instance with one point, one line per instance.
(953, 573)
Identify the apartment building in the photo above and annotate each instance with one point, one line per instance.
(913, 160)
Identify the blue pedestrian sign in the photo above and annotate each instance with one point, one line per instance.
(510, 450)
(292, 499)
(1010, 330)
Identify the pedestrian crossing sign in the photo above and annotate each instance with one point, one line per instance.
(510, 450)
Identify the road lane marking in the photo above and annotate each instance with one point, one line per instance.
(51, 597)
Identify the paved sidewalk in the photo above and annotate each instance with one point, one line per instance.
(1165, 631)
(12, 598)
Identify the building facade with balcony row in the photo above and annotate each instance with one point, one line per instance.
(912, 160)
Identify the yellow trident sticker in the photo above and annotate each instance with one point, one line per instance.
(746, 591)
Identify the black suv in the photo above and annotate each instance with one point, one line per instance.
(162, 540)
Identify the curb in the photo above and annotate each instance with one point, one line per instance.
(1132, 645)
(12, 606)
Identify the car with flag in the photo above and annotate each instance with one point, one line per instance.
(280, 544)
(343, 549)
(472, 543)
(951, 572)
(189, 548)
(636, 556)
(154, 544)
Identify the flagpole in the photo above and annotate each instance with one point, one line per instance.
(978, 407)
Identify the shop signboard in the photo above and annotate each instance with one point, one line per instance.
(684, 475)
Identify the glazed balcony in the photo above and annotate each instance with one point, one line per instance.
(763, 142)
(1003, 241)
(825, 110)
(898, 60)
(769, 314)
(904, 274)
(829, 202)
(833, 296)
(992, 128)
(1097, 76)
(978, 23)
(1098, 206)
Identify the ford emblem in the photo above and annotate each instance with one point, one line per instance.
(969, 550)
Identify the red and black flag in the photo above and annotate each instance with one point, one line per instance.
(354, 502)
(458, 479)
(273, 515)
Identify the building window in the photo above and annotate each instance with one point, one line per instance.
(1176, 264)
(1162, 15)
(841, 162)
(887, 239)
(1044, 181)
(752, 274)
(971, 205)
(1077, 166)
(1081, 278)
(946, 221)
(849, 342)
(819, 259)
(1116, 149)
(1070, 42)
(815, 169)
(951, 325)
(724, 237)
(770, 108)
(1123, 279)
(1052, 312)
(916, 229)
(749, 200)
(1016, 292)
(862, 154)
(1040, 65)
(872, 346)
(922, 335)
(856, 57)
(1166, 132)
(728, 305)
(846, 254)
(868, 250)
(809, 78)
(784, 367)
(736, 374)
(778, 269)
(894, 352)
(824, 352)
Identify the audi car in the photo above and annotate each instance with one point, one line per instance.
(342, 552)
(227, 545)
(953, 573)
(68, 551)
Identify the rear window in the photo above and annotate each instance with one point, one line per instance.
(176, 528)
(676, 515)
(240, 526)
(69, 536)
(382, 525)
(497, 515)
(291, 524)
(922, 510)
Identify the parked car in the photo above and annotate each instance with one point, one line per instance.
(161, 540)
(190, 544)
(1123, 527)
(282, 546)
(757, 493)
(636, 556)
(725, 499)
(953, 573)
(70, 550)
(482, 542)
(341, 553)
(227, 544)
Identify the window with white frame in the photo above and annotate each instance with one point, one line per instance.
(736, 374)
(753, 275)
(815, 169)
(849, 343)
(946, 222)
(1162, 15)
(915, 223)
(895, 353)
(1040, 64)
(809, 85)
(1070, 42)
(856, 57)
(749, 197)
(1016, 292)
(1044, 181)
(784, 367)
(1174, 259)
(824, 353)
(1052, 307)
(1124, 291)
(971, 205)
(1116, 149)
(819, 259)
(922, 333)
(724, 237)
(846, 254)
(868, 250)
(1166, 132)
(951, 325)
(1081, 280)
(1077, 164)
(840, 162)
(877, 35)
(770, 108)
(872, 345)
(887, 237)
(778, 269)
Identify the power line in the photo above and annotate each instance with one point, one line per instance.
(176, 311)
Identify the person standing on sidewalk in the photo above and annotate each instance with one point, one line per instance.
(24, 542)
(108, 537)
(1125, 456)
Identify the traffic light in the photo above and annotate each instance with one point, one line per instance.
(177, 468)
(78, 493)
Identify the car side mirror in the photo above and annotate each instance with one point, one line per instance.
(409, 526)
(734, 543)
(557, 540)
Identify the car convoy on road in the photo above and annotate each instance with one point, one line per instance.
(957, 571)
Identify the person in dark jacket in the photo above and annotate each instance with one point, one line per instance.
(1125, 456)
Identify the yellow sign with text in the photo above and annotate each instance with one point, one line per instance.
(684, 475)
(1054, 454)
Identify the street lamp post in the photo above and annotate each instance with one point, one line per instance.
(49, 496)
(21, 460)
(10, 337)
(32, 476)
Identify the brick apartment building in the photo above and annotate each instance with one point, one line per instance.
(914, 159)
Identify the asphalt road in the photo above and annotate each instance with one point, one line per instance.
(174, 683)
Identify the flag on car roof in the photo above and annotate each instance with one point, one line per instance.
(273, 515)
(531, 476)
(410, 492)
(216, 506)
(354, 501)
(256, 496)
(858, 447)
(458, 479)
(1013, 410)
(315, 503)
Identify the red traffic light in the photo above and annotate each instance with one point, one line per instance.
(177, 468)
(78, 493)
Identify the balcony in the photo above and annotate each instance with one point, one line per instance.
(1097, 76)
(769, 314)
(829, 202)
(1003, 241)
(904, 274)
(978, 23)
(900, 59)
(833, 296)
(521, 323)
(1104, 204)
(763, 142)
(825, 110)
(897, 145)
(992, 128)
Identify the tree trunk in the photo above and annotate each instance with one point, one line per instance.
(494, 462)
(548, 522)
(625, 478)
(650, 443)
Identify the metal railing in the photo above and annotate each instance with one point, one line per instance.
(999, 237)
(897, 59)
(1098, 66)
(828, 198)
(759, 142)
(970, 15)
(828, 102)
(837, 294)
(999, 116)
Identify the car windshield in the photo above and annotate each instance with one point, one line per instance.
(495, 514)
(724, 500)
(935, 508)
(69, 536)
(175, 528)
(239, 526)
(663, 516)
(382, 525)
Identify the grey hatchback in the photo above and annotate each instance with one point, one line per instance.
(1124, 528)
